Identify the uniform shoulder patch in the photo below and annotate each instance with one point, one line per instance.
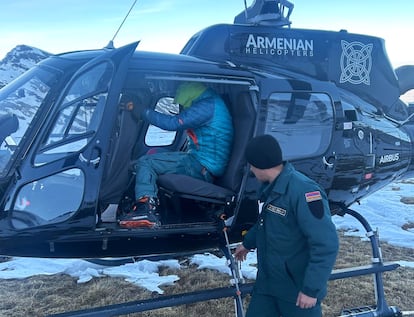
(315, 204)
(312, 196)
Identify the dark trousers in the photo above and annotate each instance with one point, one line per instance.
(270, 306)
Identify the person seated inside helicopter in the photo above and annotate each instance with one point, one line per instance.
(208, 124)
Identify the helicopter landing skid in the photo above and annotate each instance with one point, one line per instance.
(377, 268)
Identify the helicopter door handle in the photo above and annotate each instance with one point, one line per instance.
(326, 162)
(94, 161)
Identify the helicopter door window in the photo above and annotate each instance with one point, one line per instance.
(302, 122)
(97, 79)
(73, 127)
(48, 200)
(159, 137)
(80, 114)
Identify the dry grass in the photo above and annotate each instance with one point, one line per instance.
(44, 295)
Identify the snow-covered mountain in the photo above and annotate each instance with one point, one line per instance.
(19, 60)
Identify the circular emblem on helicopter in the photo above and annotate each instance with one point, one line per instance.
(356, 62)
(361, 134)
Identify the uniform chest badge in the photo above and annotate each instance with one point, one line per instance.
(276, 210)
(312, 196)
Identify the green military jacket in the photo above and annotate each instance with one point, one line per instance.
(295, 238)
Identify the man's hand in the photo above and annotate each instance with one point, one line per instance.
(304, 301)
(241, 253)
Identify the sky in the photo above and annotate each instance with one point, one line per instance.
(383, 210)
(166, 25)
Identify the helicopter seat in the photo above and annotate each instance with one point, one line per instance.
(225, 188)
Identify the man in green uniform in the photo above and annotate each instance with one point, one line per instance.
(295, 238)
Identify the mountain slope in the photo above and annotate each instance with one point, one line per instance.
(19, 60)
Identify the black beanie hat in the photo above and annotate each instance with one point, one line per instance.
(264, 152)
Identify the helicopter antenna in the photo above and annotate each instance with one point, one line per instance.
(110, 45)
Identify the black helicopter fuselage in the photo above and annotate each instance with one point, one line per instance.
(330, 98)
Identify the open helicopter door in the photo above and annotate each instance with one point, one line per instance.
(59, 177)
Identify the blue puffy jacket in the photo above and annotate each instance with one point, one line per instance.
(209, 128)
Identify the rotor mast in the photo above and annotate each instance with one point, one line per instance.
(266, 12)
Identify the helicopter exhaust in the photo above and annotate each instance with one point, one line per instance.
(405, 75)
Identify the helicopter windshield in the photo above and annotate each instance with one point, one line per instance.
(19, 103)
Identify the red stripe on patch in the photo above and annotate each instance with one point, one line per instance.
(312, 196)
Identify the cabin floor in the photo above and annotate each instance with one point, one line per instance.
(173, 213)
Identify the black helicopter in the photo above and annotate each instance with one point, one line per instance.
(70, 133)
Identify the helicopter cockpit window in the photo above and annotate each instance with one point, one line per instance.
(19, 104)
(42, 202)
(80, 115)
(302, 122)
(159, 137)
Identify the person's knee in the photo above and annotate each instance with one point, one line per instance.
(143, 161)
